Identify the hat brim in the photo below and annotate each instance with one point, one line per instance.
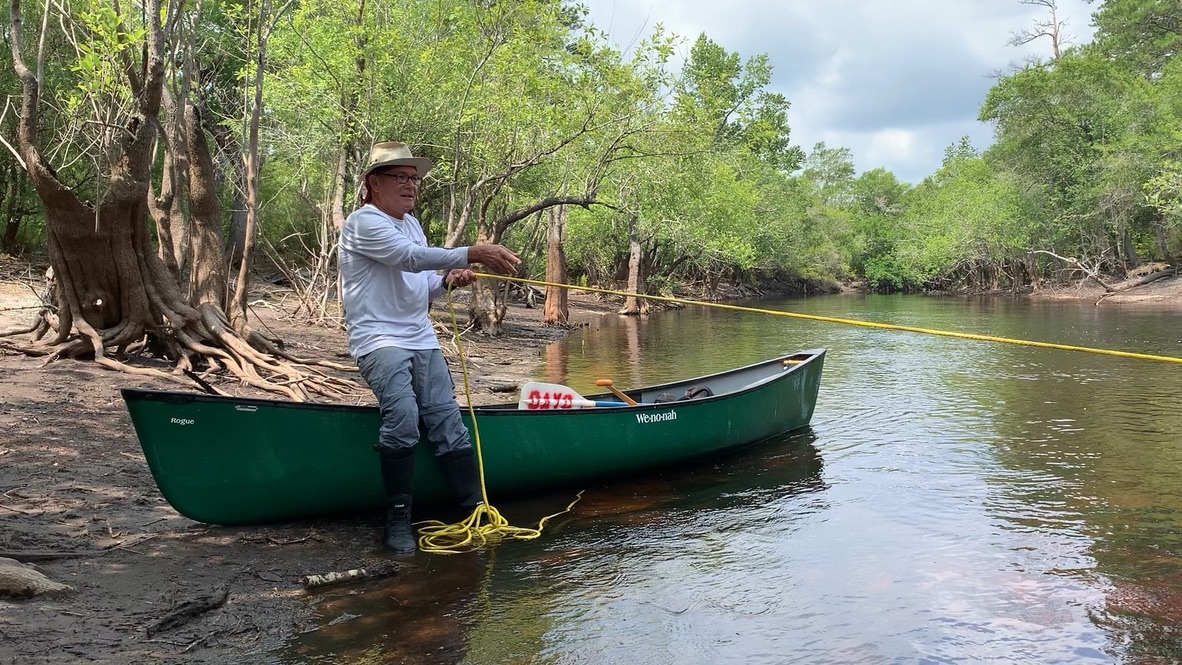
(421, 164)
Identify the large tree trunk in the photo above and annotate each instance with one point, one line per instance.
(111, 288)
(172, 231)
(102, 278)
(632, 304)
(165, 210)
(209, 275)
(487, 308)
(236, 238)
(555, 311)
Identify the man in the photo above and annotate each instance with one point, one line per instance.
(388, 280)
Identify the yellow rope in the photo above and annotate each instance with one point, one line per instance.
(485, 526)
(852, 322)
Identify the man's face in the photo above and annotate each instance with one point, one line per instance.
(393, 197)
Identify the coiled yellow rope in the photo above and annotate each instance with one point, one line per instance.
(851, 322)
(485, 526)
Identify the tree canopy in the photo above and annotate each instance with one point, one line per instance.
(526, 105)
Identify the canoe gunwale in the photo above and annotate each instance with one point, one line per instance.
(810, 355)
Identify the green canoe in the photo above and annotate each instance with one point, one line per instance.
(226, 460)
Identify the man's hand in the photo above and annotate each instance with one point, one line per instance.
(496, 258)
(458, 277)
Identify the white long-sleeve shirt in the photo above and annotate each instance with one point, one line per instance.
(388, 280)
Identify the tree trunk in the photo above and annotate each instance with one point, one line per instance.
(236, 238)
(165, 210)
(487, 308)
(484, 306)
(208, 282)
(555, 311)
(229, 167)
(633, 305)
(111, 288)
(172, 228)
(12, 207)
(1128, 251)
(1160, 233)
(251, 169)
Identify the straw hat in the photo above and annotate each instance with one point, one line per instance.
(393, 153)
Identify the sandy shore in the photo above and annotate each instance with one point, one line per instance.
(77, 499)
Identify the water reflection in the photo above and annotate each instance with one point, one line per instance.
(976, 502)
(420, 616)
(511, 604)
(1022, 497)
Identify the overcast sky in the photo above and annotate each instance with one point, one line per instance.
(896, 81)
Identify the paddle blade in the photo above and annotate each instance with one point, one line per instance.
(537, 396)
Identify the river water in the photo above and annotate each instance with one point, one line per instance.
(952, 501)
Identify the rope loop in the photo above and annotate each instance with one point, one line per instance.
(485, 526)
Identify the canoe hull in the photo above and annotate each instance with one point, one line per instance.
(244, 461)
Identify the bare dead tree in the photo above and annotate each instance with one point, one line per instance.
(1091, 270)
(1051, 28)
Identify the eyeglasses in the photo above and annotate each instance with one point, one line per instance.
(401, 178)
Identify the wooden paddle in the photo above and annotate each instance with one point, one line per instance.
(536, 396)
(607, 383)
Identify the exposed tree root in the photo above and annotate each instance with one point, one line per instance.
(19, 331)
(205, 339)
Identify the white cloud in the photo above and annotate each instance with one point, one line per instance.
(896, 82)
(892, 145)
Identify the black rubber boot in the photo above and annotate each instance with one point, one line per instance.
(463, 475)
(398, 477)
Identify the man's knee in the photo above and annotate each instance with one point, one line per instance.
(394, 448)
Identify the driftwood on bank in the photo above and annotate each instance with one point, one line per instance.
(1151, 277)
(385, 569)
(20, 580)
(1090, 272)
(183, 612)
(1146, 279)
(29, 556)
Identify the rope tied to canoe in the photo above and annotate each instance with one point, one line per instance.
(851, 322)
(485, 526)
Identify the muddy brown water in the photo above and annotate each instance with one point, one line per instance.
(953, 501)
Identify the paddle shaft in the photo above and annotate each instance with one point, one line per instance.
(607, 383)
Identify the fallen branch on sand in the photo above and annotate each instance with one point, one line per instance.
(312, 582)
(28, 556)
(183, 612)
(1091, 272)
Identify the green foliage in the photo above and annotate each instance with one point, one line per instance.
(728, 100)
(523, 101)
(877, 225)
(1089, 135)
(1140, 34)
(99, 66)
(964, 216)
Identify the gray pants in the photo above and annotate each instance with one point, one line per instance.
(414, 387)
